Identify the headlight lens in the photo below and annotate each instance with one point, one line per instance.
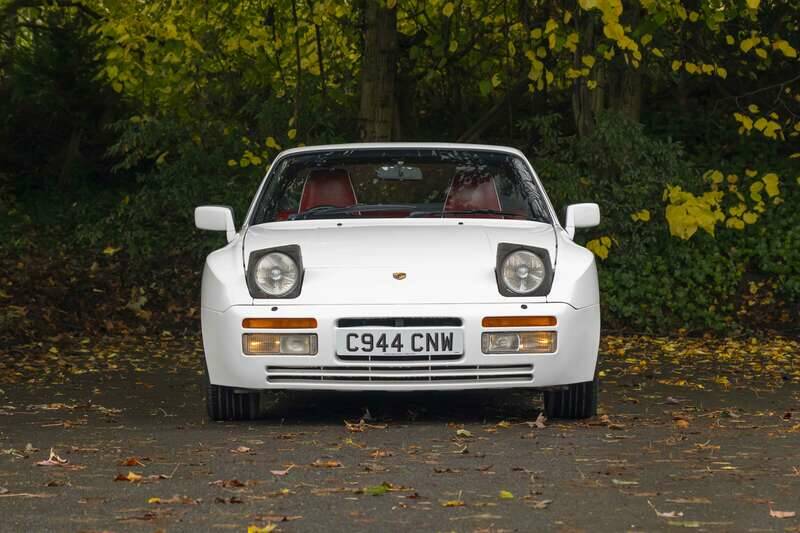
(279, 343)
(522, 271)
(519, 342)
(276, 274)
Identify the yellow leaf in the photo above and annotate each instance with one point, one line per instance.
(567, 17)
(292, 134)
(550, 26)
(232, 163)
(536, 33)
(272, 143)
(448, 9)
(735, 223)
(785, 48)
(657, 52)
(753, 4)
(110, 250)
(760, 52)
(453, 503)
(730, 40)
(269, 528)
(747, 44)
(588, 61)
(154, 500)
(453, 46)
(646, 38)
(676, 65)
(750, 218)
(771, 181)
(597, 248)
(722, 72)
(691, 68)
(496, 81)
(506, 495)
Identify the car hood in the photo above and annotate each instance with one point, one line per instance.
(354, 261)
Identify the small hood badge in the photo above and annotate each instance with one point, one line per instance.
(399, 275)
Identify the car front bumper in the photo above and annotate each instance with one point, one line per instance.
(574, 360)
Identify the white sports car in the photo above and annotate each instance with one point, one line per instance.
(400, 267)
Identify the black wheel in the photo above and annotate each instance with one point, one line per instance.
(225, 404)
(578, 400)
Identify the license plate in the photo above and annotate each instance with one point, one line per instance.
(399, 341)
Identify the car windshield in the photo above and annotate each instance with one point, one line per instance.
(400, 183)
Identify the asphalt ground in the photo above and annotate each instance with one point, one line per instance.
(688, 438)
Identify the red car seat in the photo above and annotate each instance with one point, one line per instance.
(469, 192)
(327, 187)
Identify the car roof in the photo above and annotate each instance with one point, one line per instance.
(402, 145)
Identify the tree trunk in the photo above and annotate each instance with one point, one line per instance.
(586, 103)
(625, 89)
(378, 73)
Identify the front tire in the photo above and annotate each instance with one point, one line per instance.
(223, 403)
(577, 401)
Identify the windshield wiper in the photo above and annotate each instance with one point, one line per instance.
(328, 211)
(468, 212)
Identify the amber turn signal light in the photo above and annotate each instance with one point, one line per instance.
(518, 321)
(279, 323)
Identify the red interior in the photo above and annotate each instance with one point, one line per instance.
(472, 192)
(327, 187)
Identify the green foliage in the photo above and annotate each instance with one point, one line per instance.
(651, 280)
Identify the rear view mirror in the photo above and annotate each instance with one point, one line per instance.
(215, 218)
(399, 172)
(581, 216)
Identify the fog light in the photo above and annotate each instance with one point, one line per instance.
(279, 344)
(519, 342)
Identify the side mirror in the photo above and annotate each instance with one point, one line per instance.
(581, 216)
(215, 218)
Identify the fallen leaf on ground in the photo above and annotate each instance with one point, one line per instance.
(281, 473)
(538, 423)
(506, 495)
(228, 483)
(463, 433)
(381, 453)
(621, 482)
(606, 421)
(682, 423)
(240, 449)
(377, 490)
(781, 514)
(133, 477)
(327, 463)
(668, 514)
(269, 528)
(177, 499)
(453, 503)
(53, 460)
(540, 504)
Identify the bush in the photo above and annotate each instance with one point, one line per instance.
(650, 279)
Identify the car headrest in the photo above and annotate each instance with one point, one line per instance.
(327, 187)
(468, 191)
